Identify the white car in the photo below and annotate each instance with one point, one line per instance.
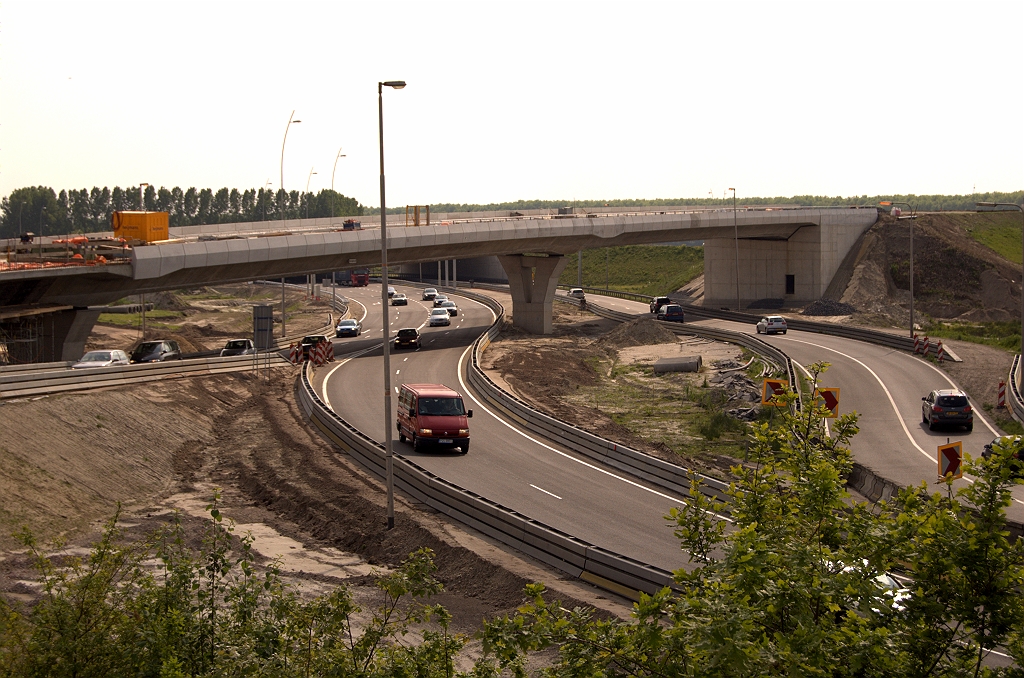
(577, 293)
(101, 359)
(440, 316)
(440, 299)
(429, 294)
(770, 324)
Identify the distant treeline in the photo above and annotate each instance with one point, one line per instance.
(40, 210)
(923, 203)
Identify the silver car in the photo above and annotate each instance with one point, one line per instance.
(101, 359)
(440, 316)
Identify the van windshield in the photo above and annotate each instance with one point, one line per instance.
(441, 406)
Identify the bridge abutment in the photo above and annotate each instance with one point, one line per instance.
(532, 281)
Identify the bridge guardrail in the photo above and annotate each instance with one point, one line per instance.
(1015, 403)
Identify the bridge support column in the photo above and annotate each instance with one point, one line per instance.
(48, 337)
(532, 281)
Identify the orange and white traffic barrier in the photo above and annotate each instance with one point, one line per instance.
(294, 354)
(1001, 395)
(330, 351)
(940, 352)
(917, 343)
(926, 346)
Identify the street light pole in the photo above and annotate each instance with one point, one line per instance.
(736, 239)
(290, 122)
(385, 313)
(912, 217)
(311, 173)
(1015, 206)
(340, 155)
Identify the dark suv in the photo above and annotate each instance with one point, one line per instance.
(408, 337)
(672, 313)
(947, 406)
(1016, 458)
(155, 351)
(658, 302)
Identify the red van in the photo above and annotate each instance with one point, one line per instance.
(433, 414)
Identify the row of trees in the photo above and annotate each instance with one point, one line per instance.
(796, 586)
(39, 209)
(923, 203)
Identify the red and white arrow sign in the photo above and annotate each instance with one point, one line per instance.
(830, 398)
(950, 458)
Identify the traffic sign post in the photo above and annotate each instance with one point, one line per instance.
(829, 398)
(772, 390)
(951, 458)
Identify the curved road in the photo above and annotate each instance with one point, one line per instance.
(885, 387)
(507, 466)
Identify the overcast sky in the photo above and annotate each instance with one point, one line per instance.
(516, 100)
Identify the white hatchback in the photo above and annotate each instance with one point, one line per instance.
(770, 324)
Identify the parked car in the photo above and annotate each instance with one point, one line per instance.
(450, 306)
(408, 337)
(429, 294)
(658, 302)
(309, 341)
(947, 406)
(770, 324)
(577, 293)
(101, 359)
(156, 351)
(672, 313)
(1017, 457)
(349, 327)
(391, 291)
(399, 300)
(440, 299)
(440, 317)
(238, 347)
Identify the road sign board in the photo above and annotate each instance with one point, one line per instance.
(771, 388)
(829, 397)
(950, 460)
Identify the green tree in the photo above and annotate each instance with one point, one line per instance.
(31, 209)
(792, 586)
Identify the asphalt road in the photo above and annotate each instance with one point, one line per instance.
(512, 468)
(884, 387)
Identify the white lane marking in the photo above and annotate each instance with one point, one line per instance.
(888, 395)
(541, 489)
(405, 359)
(466, 391)
(398, 371)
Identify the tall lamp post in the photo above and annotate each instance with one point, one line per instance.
(736, 239)
(311, 173)
(336, 158)
(1015, 206)
(912, 217)
(291, 121)
(388, 452)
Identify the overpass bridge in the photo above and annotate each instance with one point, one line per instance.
(791, 254)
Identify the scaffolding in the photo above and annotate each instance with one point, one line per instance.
(416, 214)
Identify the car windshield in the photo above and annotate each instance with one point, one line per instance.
(673, 309)
(430, 290)
(775, 319)
(148, 346)
(407, 333)
(438, 311)
(952, 401)
(440, 406)
(96, 357)
(238, 343)
(348, 323)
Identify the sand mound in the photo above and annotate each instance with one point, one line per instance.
(639, 332)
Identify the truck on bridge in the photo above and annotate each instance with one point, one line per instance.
(359, 277)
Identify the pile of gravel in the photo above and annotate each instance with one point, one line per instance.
(639, 332)
(829, 307)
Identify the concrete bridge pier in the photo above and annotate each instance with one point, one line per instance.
(47, 337)
(532, 280)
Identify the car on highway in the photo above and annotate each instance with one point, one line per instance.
(576, 293)
(1017, 456)
(101, 359)
(672, 313)
(429, 294)
(309, 341)
(439, 317)
(947, 406)
(440, 299)
(770, 324)
(658, 302)
(391, 291)
(451, 306)
(237, 347)
(407, 337)
(349, 327)
(434, 415)
(155, 352)
(399, 300)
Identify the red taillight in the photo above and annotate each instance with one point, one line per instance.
(936, 408)
(967, 409)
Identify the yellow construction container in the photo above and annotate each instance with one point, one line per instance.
(144, 226)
